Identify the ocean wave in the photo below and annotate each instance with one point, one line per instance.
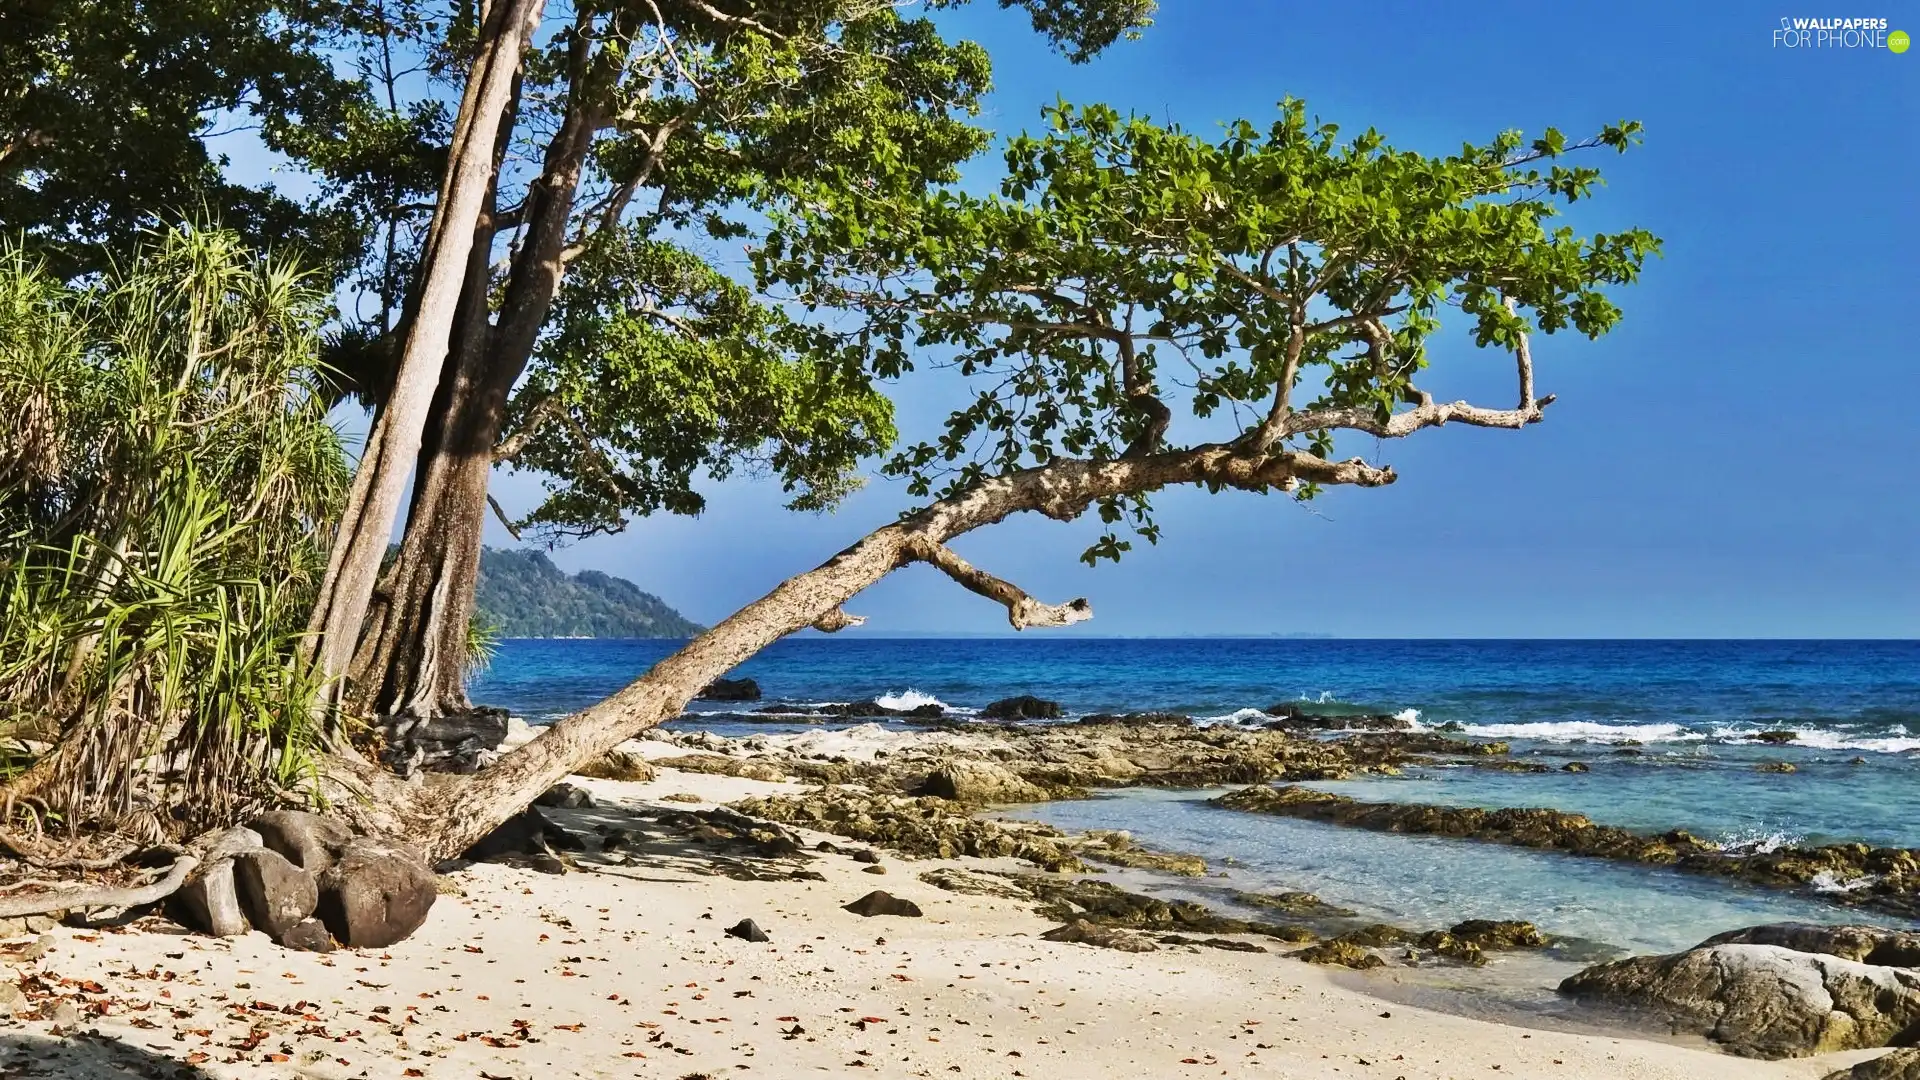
(1241, 717)
(1568, 731)
(1816, 739)
(908, 699)
(1826, 881)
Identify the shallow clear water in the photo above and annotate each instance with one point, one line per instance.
(1687, 704)
(1430, 883)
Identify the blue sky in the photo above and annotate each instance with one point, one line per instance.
(1738, 459)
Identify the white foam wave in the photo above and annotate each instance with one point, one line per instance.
(1827, 881)
(1840, 740)
(907, 699)
(1411, 716)
(1759, 841)
(1585, 731)
(1238, 716)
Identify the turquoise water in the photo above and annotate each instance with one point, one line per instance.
(1684, 706)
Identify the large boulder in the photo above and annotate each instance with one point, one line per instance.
(1899, 1065)
(731, 690)
(1867, 944)
(308, 841)
(1762, 1000)
(275, 894)
(974, 781)
(1023, 707)
(377, 893)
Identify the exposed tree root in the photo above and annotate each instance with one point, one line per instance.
(13, 907)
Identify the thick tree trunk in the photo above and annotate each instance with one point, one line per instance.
(374, 503)
(411, 663)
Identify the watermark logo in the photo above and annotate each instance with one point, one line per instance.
(1795, 33)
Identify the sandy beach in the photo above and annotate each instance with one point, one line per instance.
(624, 970)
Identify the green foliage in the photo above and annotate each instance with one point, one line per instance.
(159, 524)
(1130, 273)
(522, 594)
(106, 107)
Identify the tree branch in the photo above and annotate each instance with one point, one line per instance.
(71, 899)
(1022, 610)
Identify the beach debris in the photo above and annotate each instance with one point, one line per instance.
(1761, 1000)
(883, 903)
(459, 742)
(1082, 932)
(730, 690)
(747, 930)
(1023, 707)
(565, 796)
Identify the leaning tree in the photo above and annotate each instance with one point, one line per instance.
(569, 313)
(1140, 308)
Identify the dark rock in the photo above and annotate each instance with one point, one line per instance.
(880, 903)
(980, 782)
(565, 796)
(1299, 716)
(973, 883)
(1339, 953)
(619, 765)
(275, 894)
(619, 840)
(1136, 719)
(1228, 944)
(1774, 738)
(1500, 934)
(1376, 936)
(308, 841)
(1899, 1065)
(731, 690)
(747, 930)
(546, 862)
(873, 869)
(866, 855)
(456, 743)
(308, 935)
(376, 894)
(1453, 726)
(1761, 1000)
(1576, 766)
(1776, 767)
(1081, 932)
(1294, 903)
(1023, 707)
(525, 833)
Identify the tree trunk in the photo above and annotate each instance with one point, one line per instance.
(374, 503)
(445, 815)
(412, 661)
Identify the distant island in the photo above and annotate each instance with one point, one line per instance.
(524, 595)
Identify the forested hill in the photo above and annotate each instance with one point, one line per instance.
(525, 595)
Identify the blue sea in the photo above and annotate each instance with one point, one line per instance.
(1684, 706)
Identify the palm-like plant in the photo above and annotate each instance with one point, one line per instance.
(160, 525)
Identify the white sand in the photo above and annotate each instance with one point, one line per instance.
(623, 971)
